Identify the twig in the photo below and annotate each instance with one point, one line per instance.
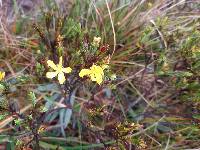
(159, 32)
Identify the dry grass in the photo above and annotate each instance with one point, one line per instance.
(140, 94)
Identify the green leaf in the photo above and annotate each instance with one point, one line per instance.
(65, 114)
(48, 87)
(32, 97)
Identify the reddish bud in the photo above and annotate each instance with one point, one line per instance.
(104, 48)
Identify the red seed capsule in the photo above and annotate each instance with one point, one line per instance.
(104, 48)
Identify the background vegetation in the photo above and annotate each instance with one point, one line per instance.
(150, 95)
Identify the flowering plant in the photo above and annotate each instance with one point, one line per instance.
(59, 71)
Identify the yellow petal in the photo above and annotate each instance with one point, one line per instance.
(51, 64)
(2, 75)
(51, 75)
(97, 78)
(93, 77)
(100, 71)
(67, 70)
(60, 61)
(61, 78)
(84, 72)
(99, 81)
(96, 70)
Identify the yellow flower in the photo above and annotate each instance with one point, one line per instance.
(95, 73)
(59, 71)
(41, 129)
(2, 75)
(96, 41)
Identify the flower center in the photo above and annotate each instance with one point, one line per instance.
(59, 68)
